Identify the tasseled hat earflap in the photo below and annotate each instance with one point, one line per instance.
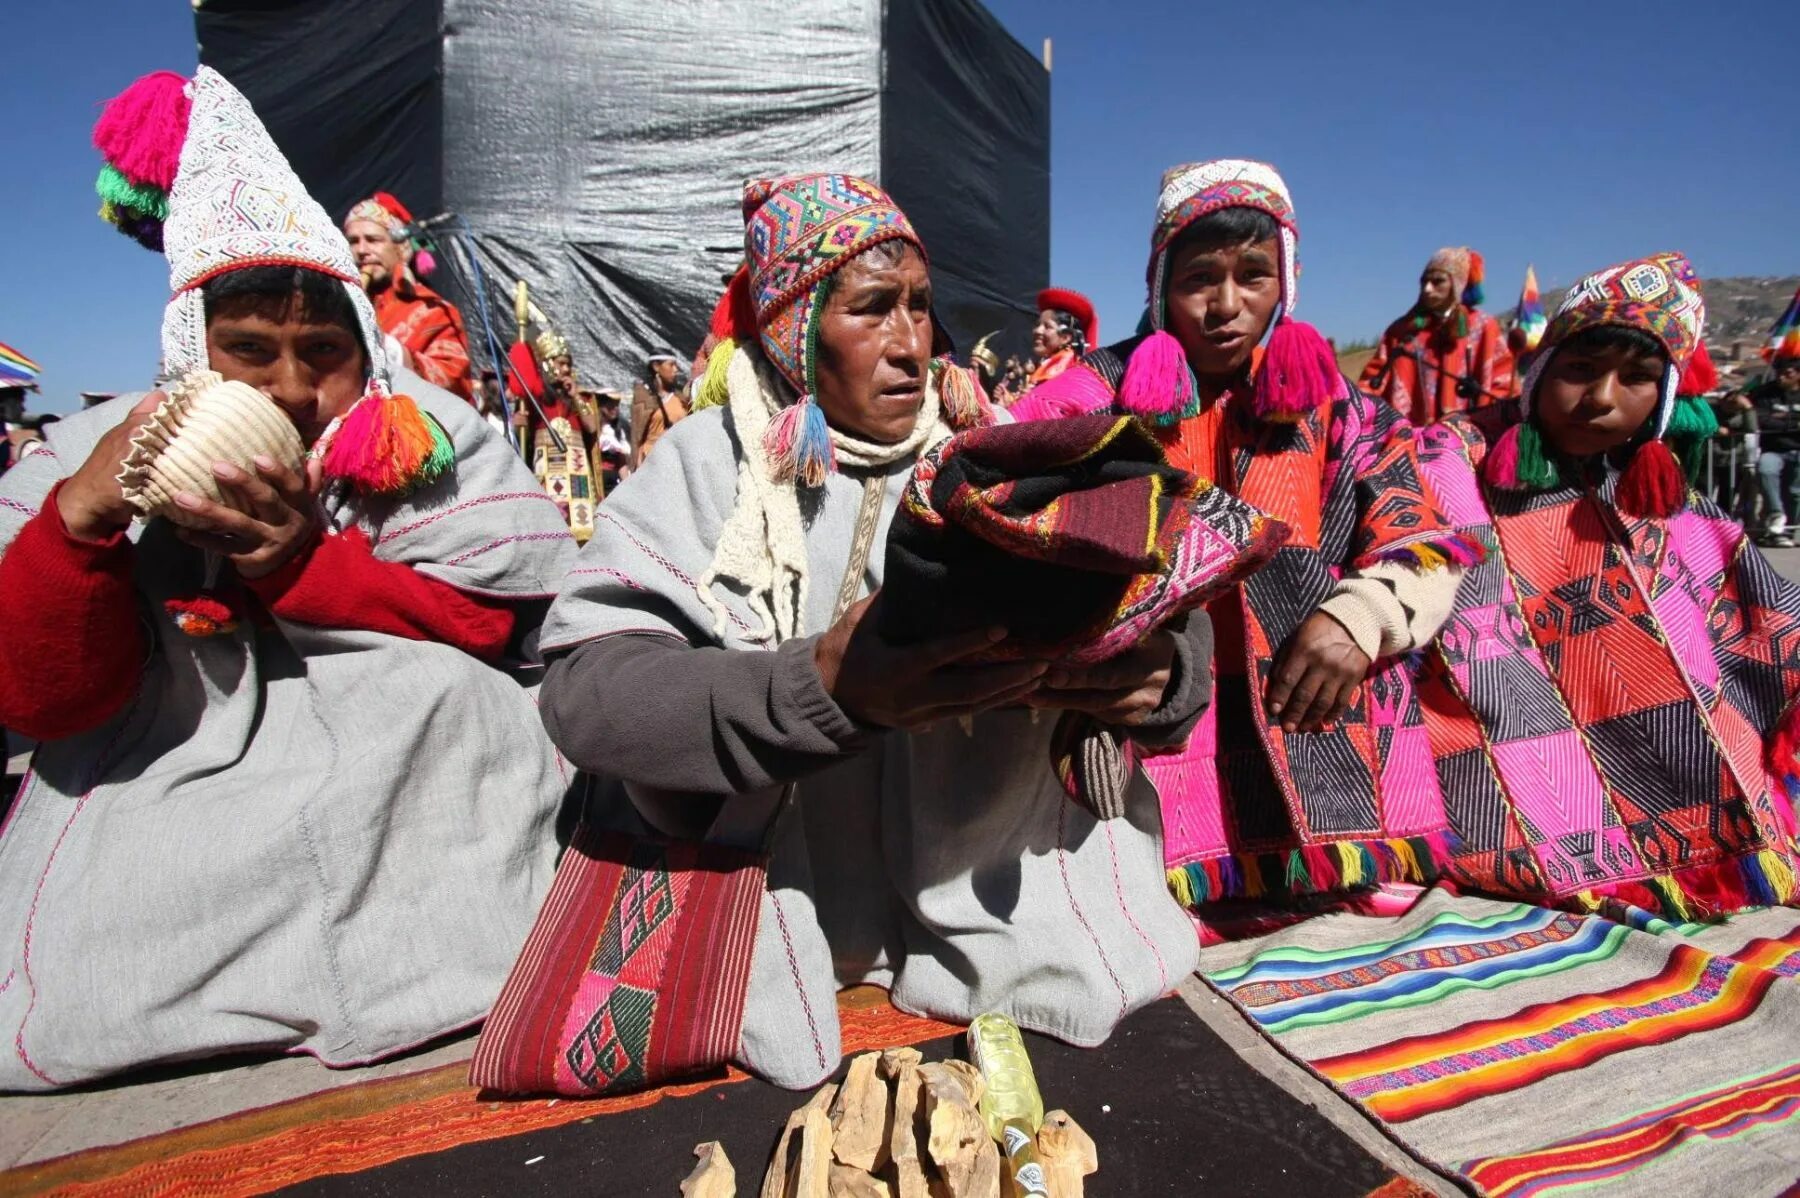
(385, 445)
(1159, 385)
(140, 134)
(798, 439)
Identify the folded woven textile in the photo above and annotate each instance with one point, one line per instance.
(1076, 535)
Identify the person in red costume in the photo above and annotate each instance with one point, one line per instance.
(1066, 329)
(1446, 355)
(291, 791)
(428, 327)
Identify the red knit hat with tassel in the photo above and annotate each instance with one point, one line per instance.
(1298, 372)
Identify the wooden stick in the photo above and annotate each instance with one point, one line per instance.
(1067, 1154)
(713, 1177)
(859, 1117)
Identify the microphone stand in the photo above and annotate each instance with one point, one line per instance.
(466, 262)
(1466, 386)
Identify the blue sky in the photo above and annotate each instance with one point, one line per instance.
(1570, 136)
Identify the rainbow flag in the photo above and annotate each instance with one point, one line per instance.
(1784, 338)
(1530, 315)
(16, 370)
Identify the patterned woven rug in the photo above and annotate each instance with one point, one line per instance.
(1535, 1052)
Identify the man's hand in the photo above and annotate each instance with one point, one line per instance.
(1123, 691)
(278, 516)
(1315, 675)
(90, 501)
(892, 687)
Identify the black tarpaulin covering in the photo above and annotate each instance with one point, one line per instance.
(597, 148)
(351, 90)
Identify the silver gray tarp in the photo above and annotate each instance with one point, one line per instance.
(597, 148)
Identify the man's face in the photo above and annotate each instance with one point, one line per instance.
(1789, 376)
(1437, 290)
(312, 370)
(378, 256)
(1221, 300)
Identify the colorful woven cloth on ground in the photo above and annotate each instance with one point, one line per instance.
(1600, 701)
(1530, 1051)
(1249, 810)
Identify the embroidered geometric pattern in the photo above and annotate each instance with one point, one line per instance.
(636, 970)
(236, 202)
(1240, 802)
(1601, 696)
(797, 231)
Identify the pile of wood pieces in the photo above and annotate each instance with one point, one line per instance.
(898, 1127)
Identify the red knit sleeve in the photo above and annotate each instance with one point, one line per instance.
(342, 584)
(74, 648)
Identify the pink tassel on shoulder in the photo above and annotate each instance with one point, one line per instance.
(1501, 466)
(1299, 372)
(143, 127)
(1158, 384)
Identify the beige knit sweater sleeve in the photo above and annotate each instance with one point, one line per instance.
(1390, 608)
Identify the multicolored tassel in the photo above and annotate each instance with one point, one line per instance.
(1298, 373)
(798, 444)
(1159, 384)
(424, 263)
(1457, 549)
(387, 446)
(1473, 292)
(202, 616)
(958, 394)
(140, 134)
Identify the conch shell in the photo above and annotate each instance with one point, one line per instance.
(204, 420)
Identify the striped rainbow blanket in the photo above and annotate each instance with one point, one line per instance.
(1528, 1051)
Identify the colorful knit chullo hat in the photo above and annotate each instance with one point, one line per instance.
(1659, 295)
(1467, 271)
(384, 210)
(216, 195)
(1298, 371)
(798, 233)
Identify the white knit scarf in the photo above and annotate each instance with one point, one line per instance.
(762, 546)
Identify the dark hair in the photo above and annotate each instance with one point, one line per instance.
(1226, 227)
(1072, 328)
(1616, 336)
(281, 292)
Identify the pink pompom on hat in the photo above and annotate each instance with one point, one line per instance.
(1298, 371)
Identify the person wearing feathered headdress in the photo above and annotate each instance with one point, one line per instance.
(288, 796)
(393, 261)
(1446, 355)
(1613, 701)
(1310, 773)
(723, 590)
